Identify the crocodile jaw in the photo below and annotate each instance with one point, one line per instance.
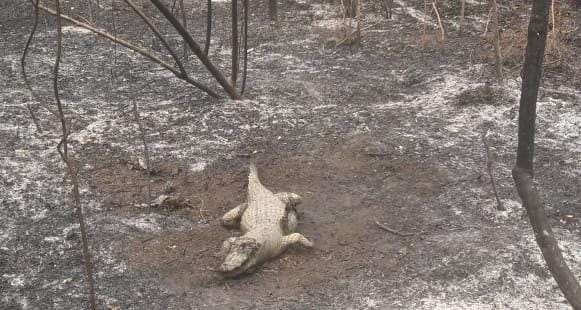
(240, 256)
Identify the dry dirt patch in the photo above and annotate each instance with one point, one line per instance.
(346, 188)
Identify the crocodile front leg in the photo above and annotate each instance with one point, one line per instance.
(232, 218)
(294, 239)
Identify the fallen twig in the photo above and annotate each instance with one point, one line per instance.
(393, 231)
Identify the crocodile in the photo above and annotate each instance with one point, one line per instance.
(268, 222)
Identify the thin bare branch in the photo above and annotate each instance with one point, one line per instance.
(23, 68)
(496, 30)
(462, 9)
(489, 163)
(184, 22)
(235, 48)
(158, 35)
(134, 48)
(145, 150)
(196, 49)
(208, 28)
(245, 72)
(72, 171)
(442, 31)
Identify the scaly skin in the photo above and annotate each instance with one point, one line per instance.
(268, 222)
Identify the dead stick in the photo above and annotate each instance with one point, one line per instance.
(442, 32)
(393, 231)
(184, 22)
(245, 33)
(145, 150)
(159, 36)
(235, 50)
(23, 67)
(462, 8)
(229, 88)
(497, 50)
(489, 162)
(208, 28)
(72, 170)
(487, 21)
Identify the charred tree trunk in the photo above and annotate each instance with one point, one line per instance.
(523, 171)
(235, 50)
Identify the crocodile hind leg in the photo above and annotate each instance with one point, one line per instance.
(294, 239)
(291, 217)
(290, 200)
(232, 218)
(289, 222)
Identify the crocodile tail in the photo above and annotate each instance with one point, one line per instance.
(253, 175)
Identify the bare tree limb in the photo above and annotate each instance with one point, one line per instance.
(134, 48)
(72, 170)
(523, 172)
(145, 150)
(23, 67)
(244, 74)
(489, 162)
(196, 49)
(159, 36)
(208, 28)
(462, 8)
(235, 48)
(442, 31)
(359, 4)
(184, 22)
(487, 21)
(496, 30)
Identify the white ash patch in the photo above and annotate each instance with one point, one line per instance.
(198, 167)
(52, 239)
(495, 286)
(370, 303)
(147, 222)
(15, 280)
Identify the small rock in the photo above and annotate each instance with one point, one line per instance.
(376, 150)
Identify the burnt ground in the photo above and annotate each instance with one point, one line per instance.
(388, 131)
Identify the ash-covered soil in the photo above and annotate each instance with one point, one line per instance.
(388, 131)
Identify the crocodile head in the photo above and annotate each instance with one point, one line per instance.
(240, 253)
